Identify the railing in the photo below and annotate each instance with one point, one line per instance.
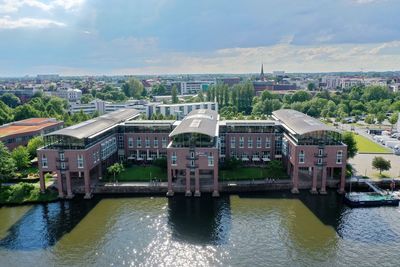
(60, 168)
(192, 158)
(316, 163)
(323, 155)
(61, 160)
(190, 166)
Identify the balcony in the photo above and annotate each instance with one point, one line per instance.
(316, 163)
(323, 155)
(59, 167)
(61, 160)
(190, 166)
(192, 158)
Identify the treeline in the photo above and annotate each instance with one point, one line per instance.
(39, 106)
(371, 101)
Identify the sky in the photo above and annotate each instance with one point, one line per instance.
(134, 37)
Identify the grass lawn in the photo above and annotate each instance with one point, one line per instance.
(365, 145)
(248, 173)
(142, 174)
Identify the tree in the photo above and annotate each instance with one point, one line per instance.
(380, 117)
(25, 112)
(10, 100)
(369, 119)
(381, 164)
(394, 118)
(21, 157)
(34, 144)
(7, 164)
(350, 141)
(6, 113)
(174, 95)
(115, 169)
(311, 87)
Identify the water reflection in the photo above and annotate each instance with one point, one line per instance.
(43, 225)
(203, 220)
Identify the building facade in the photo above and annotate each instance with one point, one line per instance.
(194, 147)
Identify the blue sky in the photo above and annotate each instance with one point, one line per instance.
(79, 37)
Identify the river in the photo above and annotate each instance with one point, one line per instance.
(271, 229)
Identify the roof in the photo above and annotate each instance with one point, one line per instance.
(202, 121)
(27, 126)
(97, 125)
(300, 123)
(247, 122)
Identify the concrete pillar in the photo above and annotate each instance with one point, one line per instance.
(69, 186)
(342, 180)
(197, 183)
(188, 192)
(147, 154)
(216, 183)
(323, 185)
(331, 172)
(100, 171)
(42, 182)
(88, 194)
(295, 180)
(158, 153)
(60, 185)
(170, 193)
(137, 154)
(314, 181)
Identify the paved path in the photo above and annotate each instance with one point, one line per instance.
(362, 163)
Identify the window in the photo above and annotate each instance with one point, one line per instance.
(339, 157)
(258, 142)
(211, 159)
(44, 161)
(164, 142)
(320, 152)
(250, 142)
(192, 154)
(80, 161)
(319, 161)
(147, 142)
(192, 163)
(241, 142)
(62, 156)
(130, 142)
(233, 142)
(301, 156)
(155, 142)
(267, 142)
(173, 159)
(62, 165)
(138, 142)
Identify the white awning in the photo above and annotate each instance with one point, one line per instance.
(149, 158)
(139, 158)
(131, 157)
(278, 156)
(256, 159)
(245, 159)
(266, 159)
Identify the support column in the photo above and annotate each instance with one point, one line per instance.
(42, 182)
(188, 192)
(88, 194)
(216, 183)
(342, 180)
(331, 172)
(69, 186)
(197, 183)
(170, 193)
(314, 181)
(323, 185)
(100, 171)
(295, 180)
(60, 185)
(158, 153)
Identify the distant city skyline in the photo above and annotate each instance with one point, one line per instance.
(150, 37)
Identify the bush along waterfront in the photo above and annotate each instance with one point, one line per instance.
(25, 193)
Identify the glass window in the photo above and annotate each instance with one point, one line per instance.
(138, 142)
(250, 142)
(258, 142)
(44, 161)
(301, 156)
(267, 142)
(173, 159)
(130, 142)
(339, 157)
(241, 142)
(80, 161)
(147, 142)
(164, 142)
(211, 160)
(233, 142)
(155, 142)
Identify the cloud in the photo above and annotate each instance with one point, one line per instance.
(367, 1)
(12, 6)
(292, 58)
(7, 23)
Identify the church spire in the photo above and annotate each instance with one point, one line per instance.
(262, 77)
